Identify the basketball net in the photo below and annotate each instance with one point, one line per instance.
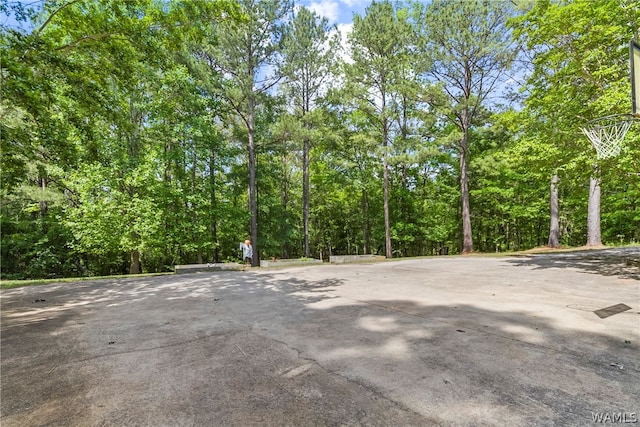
(607, 133)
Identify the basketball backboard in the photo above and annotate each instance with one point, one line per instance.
(634, 58)
(607, 133)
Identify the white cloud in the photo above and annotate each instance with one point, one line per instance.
(329, 9)
(356, 3)
(336, 11)
(345, 52)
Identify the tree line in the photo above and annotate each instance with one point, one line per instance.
(142, 134)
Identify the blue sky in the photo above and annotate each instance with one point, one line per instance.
(339, 13)
(336, 11)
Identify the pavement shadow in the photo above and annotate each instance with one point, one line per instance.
(47, 331)
(299, 352)
(48, 308)
(498, 367)
(622, 262)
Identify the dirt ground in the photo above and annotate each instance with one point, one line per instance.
(535, 340)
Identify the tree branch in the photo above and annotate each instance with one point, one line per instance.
(37, 33)
(89, 37)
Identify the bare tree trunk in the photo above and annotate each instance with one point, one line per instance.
(365, 222)
(194, 210)
(593, 211)
(467, 238)
(214, 206)
(387, 225)
(284, 253)
(214, 238)
(554, 229)
(253, 196)
(305, 195)
(134, 268)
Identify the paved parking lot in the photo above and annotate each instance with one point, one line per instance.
(465, 341)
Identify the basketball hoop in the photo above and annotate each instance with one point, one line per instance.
(607, 133)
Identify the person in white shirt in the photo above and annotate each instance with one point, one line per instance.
(247, 252)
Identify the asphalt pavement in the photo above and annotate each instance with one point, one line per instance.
(536, 340)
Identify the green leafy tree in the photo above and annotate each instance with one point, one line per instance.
(77, 84)
(379, 42)
(470, 49)
(580, 59)
(309, 52)
(245, 54)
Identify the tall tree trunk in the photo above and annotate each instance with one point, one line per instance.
(253, 196)
(134, 268)
(467, 238)
(305, 194)
(465, 124)
(593, 211)
(214, 207)
(194, 211)
(365, 222)
(285, 202)
(387, 225)
(554, 228)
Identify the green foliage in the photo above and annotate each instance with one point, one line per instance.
(125, 131)
(579, 52)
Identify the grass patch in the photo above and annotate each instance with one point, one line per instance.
(10, 284)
